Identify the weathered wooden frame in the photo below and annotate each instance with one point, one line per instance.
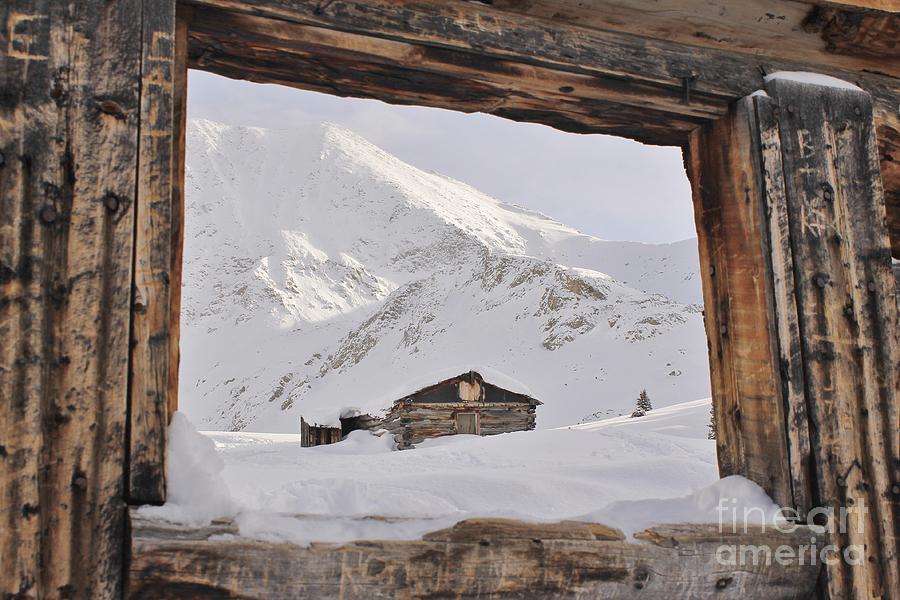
(802, 326)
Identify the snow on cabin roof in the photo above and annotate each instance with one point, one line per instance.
(813, 78)
(412, 385)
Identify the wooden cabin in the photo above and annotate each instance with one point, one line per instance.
(463, 404)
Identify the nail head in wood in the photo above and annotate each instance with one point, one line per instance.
(111, 202)
(48, 214)
(872, 286)
(723, 582)
(820, 281)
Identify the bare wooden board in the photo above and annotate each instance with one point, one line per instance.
(847, 321)
(479, 558)
(69, 75)
(722, 165)
(150, 332)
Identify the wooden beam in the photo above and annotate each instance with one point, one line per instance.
(613, 61)
(842, 35)
(179, 156)
(723, 166)
(69, 75)
(150, 332)
(308, 57)
(847, 317)
(489, 558)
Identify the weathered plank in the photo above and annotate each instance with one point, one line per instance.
(150, 332)
(69, 75)
(481, 558)
(847, 317)
(844, 35)
(722, 163)
(777, 245)
(179, 153)
(316, 58)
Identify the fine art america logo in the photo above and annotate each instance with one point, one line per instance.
(821, 520)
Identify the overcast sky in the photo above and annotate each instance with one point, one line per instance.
(605, 186)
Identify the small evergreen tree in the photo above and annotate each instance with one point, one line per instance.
(643, 405)
(711, 434)
(643, 402)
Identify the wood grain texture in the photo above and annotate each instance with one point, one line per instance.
(480, 558)
(619, 66)
(777, 245)
(69, 75)
(841, 34)
(723, 166)
(847, 317)
(179, 156)
(150, 331)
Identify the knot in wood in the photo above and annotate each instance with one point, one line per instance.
(723, 582)
(111, 107)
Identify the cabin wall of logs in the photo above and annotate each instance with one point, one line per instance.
(464, 404)
(797, 203)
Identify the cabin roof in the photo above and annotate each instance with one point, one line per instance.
(511, 385)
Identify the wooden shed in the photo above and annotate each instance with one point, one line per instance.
(462, 404)
(317, 435)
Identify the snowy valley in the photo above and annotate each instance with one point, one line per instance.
(321, 273)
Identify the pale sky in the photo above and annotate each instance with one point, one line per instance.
(604, 186)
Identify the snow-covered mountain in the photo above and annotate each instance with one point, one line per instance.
(322, 273)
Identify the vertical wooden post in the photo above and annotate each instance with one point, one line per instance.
(797, 276)
(70, 76)
(150, 333)
(846, 313)
(722, 163)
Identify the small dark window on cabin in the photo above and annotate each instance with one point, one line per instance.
(447, 393)
(494, 394)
